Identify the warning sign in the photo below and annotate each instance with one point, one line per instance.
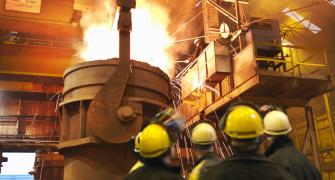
(31, 6)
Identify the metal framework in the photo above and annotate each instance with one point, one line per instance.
(284, 76)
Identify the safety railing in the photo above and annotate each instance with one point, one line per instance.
(23, 41)
(297, 60)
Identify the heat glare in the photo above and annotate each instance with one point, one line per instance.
(149, 37)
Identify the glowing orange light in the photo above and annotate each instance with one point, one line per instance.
(149, 37)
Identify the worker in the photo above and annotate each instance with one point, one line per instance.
(282, 150)
(200, 45)
(154, 149)
(203, 138)
(155, 145)
(242, 123)
(139, 163)
(172, 120)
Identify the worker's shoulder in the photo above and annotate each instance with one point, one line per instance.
(248, 169)
(255, 163)
(230, 170)
(153, 172)
(211, 161)
(224, 166)
(288, 154)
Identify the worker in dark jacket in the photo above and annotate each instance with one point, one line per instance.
(282, 150)
(136, 152)
(154, 149)
(243, 125)
(203, 138)
(155, 145)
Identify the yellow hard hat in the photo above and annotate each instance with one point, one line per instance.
(172, 120)
(155, 141)
(242, 122)
(203, 134)
(276, 123)
(137, 142)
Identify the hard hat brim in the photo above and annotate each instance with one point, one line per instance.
(277, 133)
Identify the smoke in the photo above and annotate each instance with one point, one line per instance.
(187, 23)
(98, 38)
(103, 13)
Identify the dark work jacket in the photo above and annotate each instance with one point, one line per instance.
(203, 165)
(283, 152)
(155, 170)
(248, 167)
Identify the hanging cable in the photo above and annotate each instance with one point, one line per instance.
(229, 150)
(180, 157)
(188, 22)
(189, 139)
(189, 39)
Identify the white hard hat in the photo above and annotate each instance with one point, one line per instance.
(203, 134)
(276, 123)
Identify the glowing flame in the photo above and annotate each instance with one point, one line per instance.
(149, 37)
(100, 44)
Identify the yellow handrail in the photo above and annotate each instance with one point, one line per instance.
(271, 59)
(288, 62)
(311, 64)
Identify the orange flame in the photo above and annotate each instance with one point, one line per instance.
(149, 37)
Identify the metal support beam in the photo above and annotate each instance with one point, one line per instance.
(34, 87)
(238, 18)
(307, 137)
(223, 11)
(66, 30)
(330, 115)
(287, 102)
(314, 143)
(210, 20)
(295, 132)
(240, 1)
(232, 95)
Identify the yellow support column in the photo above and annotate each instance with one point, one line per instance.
(330, 115)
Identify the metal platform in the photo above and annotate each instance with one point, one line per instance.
(286, 85)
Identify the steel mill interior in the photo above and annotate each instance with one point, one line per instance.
(80, 79)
